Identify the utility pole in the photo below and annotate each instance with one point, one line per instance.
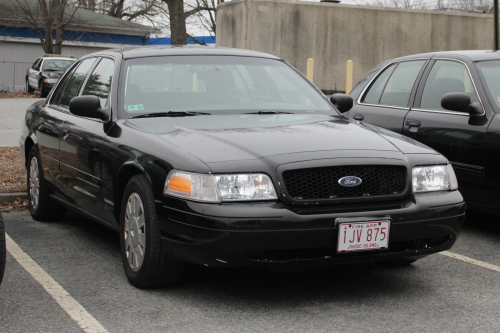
(495, 3)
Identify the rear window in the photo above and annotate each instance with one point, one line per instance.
(490, 76)
(56, 65)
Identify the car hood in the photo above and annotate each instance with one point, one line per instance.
(53, 74)
(220, 138)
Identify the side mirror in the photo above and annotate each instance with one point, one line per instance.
(342, 102)
(461, 102)
(88, 106)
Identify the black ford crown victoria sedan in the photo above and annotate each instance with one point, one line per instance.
(449, 101)
(224, 157)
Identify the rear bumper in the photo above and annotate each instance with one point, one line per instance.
(274, 234)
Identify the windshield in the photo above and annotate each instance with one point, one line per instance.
(216, 84)
(60, 65)
(490, 75)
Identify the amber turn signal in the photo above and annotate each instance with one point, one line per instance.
(180, 184)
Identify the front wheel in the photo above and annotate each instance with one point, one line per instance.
(146, 262)
(43, 91)
(42, 208)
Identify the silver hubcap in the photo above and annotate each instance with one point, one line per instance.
(135, 232)
(34, 183)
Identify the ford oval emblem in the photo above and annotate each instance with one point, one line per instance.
(350, 181)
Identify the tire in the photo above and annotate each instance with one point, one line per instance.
(150, 267)
(42, 208)
(397, 262)
(43, 91)
(29, 90)
(3, 250)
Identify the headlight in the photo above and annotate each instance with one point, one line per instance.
(50, 80)
(217, 188)
(434, 178)
(245, 187)
(193, 186)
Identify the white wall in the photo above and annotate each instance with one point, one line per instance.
(17, 57)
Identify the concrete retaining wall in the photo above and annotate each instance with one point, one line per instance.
(335, 33)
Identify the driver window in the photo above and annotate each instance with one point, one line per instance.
(35, 64)
(446, 77)
(71, 85)
(99, 82)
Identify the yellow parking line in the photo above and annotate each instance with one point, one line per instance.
(470, 260)
(77, 312)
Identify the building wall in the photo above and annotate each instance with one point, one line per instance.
(17, 57)
(331, 34)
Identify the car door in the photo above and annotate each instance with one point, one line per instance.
(48, 130)
(33, 72)
(385, 101)
(81, 160)
(457, 135)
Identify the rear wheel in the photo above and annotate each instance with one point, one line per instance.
(146, 262)
(29, 90)
(3, 250)
(42, 208)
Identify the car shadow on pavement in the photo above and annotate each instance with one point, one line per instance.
(483, 225)
(255, 285)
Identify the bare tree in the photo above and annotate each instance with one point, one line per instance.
(129, 10)
(477, 6)
(46, 17)
(406, 4)
(177, 13)
(205, 14)
(485, 6)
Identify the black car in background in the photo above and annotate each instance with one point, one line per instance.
(449, 101)
(224, 157)
(45, 72)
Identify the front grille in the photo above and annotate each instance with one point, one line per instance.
(322, 183)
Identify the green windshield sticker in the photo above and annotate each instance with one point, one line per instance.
(138, 107)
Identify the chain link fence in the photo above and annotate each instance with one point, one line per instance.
(13, 75)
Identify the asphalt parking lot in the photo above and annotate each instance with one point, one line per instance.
(438, 293)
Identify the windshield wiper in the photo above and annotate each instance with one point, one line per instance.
(269, 112)
(172, 114)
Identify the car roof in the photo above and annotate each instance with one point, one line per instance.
(474, 55)
(169, 50)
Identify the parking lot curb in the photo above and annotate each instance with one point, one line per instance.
(7, 197)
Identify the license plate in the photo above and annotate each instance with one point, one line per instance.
(362, 236)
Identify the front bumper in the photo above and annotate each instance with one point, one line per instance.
(270, 234)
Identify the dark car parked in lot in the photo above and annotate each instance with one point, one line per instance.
(224, 157)
(449, 101)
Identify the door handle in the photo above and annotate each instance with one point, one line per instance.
(65, 132)
(413, 123)
(359, 117)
